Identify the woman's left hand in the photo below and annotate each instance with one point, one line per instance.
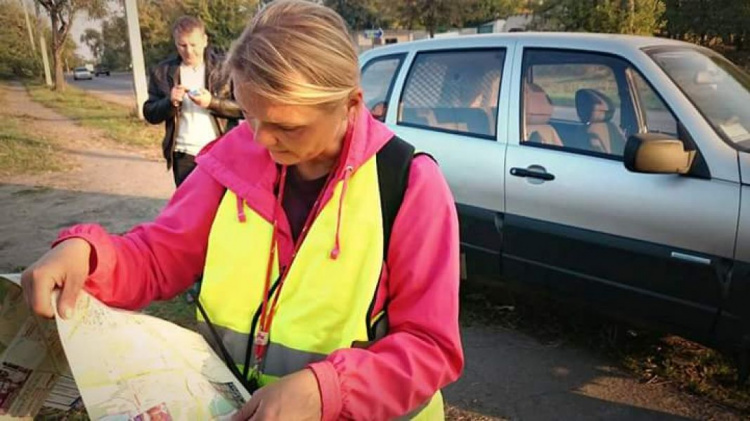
(292, 397)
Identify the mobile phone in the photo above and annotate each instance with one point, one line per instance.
(194, 92)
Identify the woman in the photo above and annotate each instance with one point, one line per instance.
(319, 305)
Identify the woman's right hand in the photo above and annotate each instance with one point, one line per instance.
(65, 266)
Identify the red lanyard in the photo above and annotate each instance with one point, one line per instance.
(266, 316)
(267, 313)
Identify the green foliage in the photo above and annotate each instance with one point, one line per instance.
(638, 17)
(709, 22)
(115, 52)
(93, 39)
(17, 59)
(433, 15)
(364, 14)
(224, 19)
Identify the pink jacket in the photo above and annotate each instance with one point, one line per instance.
(422, 351)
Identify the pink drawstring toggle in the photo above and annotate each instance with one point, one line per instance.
(241, 210)
(335, 253)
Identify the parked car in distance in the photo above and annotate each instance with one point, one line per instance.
(101, 70)
(81, 73)
(609, 170)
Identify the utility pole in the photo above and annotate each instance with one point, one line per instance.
(43, 48)
(136, 55)
(28, 26)
(45, 60)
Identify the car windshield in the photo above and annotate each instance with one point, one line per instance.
(81, 69)
(719, 89)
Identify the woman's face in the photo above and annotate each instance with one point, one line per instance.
(295, 134)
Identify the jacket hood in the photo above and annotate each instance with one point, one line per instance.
(240, 164)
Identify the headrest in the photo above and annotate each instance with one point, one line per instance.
(538, 105)
(593, 106)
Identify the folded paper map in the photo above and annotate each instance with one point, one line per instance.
(126, 365)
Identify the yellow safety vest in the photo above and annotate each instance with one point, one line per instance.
(324, 305)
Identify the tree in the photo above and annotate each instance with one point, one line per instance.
(478, 12)
(362, 14)
(115, 47)
(708, 22)
(16, 56)
(430, 14)
(62, 13)
(641, 17)
(224, 19)
(93, 39)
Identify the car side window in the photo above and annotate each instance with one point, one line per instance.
(574, 100)
(658, 118)
(454, 91)
(377, 77)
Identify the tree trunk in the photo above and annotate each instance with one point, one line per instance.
(59, 71)
(57, 53)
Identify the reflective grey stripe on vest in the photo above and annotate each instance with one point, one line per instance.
(234, 342)
(280, 360)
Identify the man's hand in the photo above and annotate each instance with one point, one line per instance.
(293, 397)
(178, 92)
(202, 99)
(66, 266)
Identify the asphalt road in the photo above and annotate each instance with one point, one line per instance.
(118, 87)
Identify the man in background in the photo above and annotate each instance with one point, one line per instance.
(187, 94)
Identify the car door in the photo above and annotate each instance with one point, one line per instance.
(446, 104)
(647, 247)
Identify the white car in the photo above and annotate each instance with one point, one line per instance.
(80, 73)
(611, 170)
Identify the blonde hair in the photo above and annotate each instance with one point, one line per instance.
(295, 52)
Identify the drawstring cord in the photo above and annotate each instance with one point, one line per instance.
(337, 245)
(241, 210)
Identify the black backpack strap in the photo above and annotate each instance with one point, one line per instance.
(393, 161)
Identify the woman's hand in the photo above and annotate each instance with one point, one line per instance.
(293, 397)
(66, 266)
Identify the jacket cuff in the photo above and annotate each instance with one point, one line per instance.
(330, 392)
(92, 234)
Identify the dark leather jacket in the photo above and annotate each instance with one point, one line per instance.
(159, 108)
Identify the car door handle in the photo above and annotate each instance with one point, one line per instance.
(535, 173)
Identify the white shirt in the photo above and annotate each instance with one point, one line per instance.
(196, 126)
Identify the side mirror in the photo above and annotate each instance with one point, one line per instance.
(379, 110)
(656, 153)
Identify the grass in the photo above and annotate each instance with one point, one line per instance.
(176, 310)
(23, 151)
(117, 121)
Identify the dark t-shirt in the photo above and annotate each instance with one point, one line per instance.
(299, 198)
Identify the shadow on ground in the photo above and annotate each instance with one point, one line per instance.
(33, 216)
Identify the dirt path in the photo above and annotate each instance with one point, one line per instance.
(111, 184)
(508, 375)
